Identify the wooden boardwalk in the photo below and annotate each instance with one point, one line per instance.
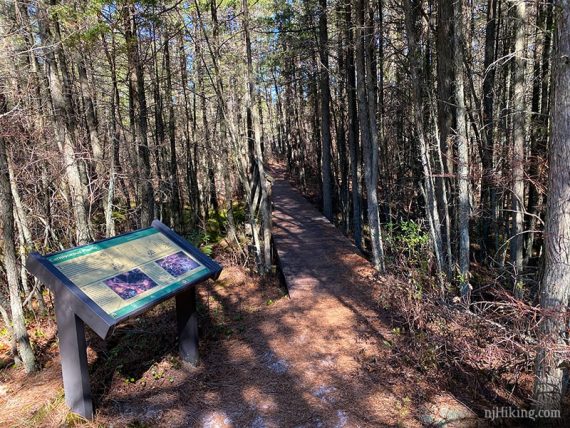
(335, 317)
(313, 254)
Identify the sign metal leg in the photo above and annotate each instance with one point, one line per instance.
(73, 355)
(187, 325)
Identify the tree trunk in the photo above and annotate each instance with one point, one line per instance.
(91, 120)
(189, 131)
(353, 128)
(325, 112)
(445, 52)
(432, 212)
(445, 117)
(137, 92)
(343, 160)
(372, 95)
(221, 115)
(25, 234)
(64, 124)
(114, 161)
(369, 135)
(539, 126)
(159, 129)
(463, 180)
(116, 164)
(175, 204)
(9, 258)
(488, 225)
(254, 139)
(556, 283)
(518, 157)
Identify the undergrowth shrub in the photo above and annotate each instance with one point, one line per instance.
(409, 239)
(214, 234)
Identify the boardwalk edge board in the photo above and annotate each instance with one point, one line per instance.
(107, 282)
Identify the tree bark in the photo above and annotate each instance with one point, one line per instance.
(254, 137)
(343, 160)
(175, 204)
(539, 125)
(353, 128)
(137, 92)
(488, 192)
(463, 181)
(518, 157)
(65, 127)
(445, 51)
(556, 282)
(432, 212)
(368, 133)
(445, 119)
(9, 257)
(189, 125)
(325, 93)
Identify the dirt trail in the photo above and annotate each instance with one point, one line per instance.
(321, 358)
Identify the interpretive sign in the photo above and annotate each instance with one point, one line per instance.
(122, 274)
(109, 281)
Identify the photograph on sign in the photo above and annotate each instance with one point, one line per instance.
(123, 274)
(130, 284)
(177, 264)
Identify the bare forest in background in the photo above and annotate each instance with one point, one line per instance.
(436, 134)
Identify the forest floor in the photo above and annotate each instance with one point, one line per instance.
(266, 360)
(369, 353)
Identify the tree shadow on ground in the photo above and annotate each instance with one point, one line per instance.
(297, 227)
(353, 283)
(132, 349)
(239, 381)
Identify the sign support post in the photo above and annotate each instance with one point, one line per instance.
(73, 355)
(187, 319)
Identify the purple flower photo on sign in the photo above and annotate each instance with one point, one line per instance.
(130, 284)
(177, 264)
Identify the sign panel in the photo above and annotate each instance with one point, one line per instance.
(123, 274)
(103, 283)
